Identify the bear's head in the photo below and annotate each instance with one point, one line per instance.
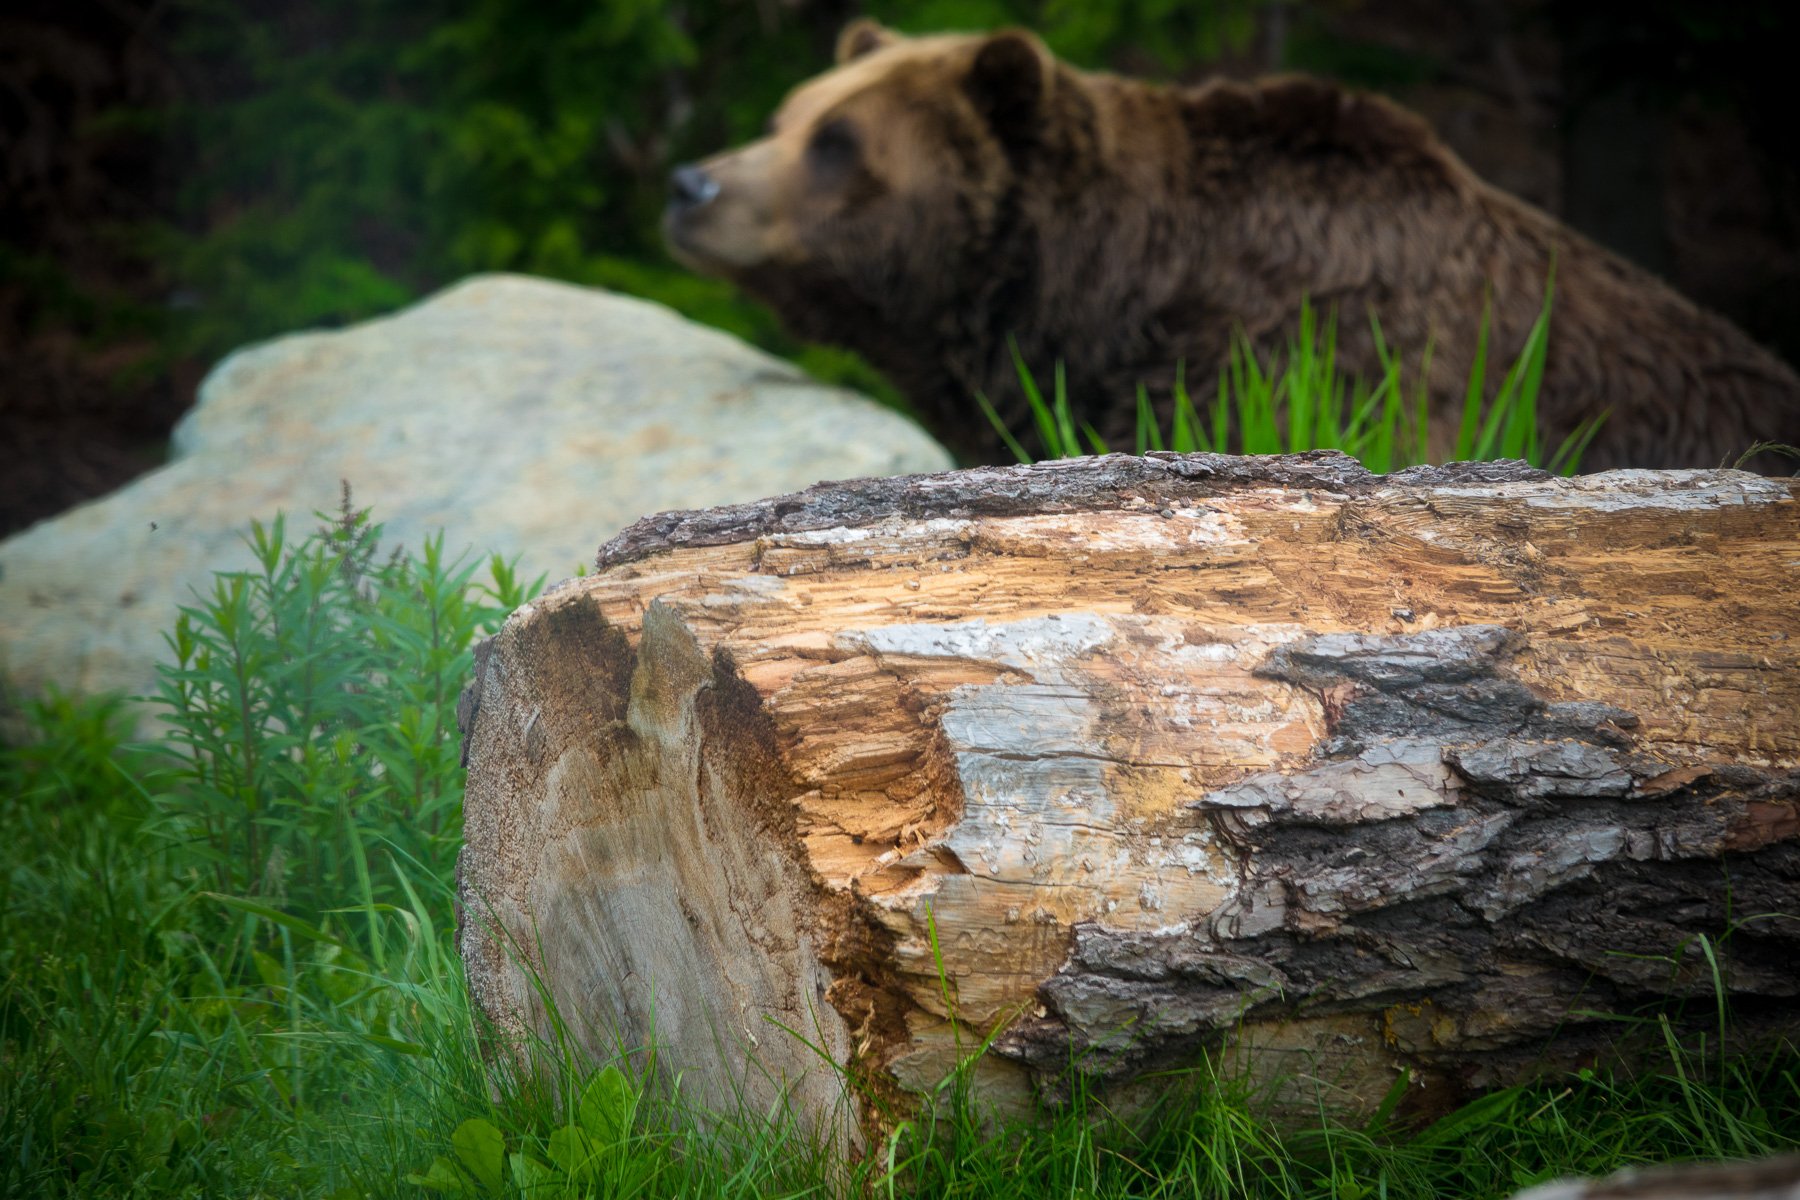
(884, 182)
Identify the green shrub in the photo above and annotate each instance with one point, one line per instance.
(313, 699)
(227, 957)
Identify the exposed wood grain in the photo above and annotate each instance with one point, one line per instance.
(1342, 773)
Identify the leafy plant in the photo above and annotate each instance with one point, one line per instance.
(593, 1152)
(313, 698)
(228, 949)
(1301, 400)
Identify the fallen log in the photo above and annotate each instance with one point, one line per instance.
(1757, 1179)
(1122, 760)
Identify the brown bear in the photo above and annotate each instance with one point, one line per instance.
(933, 197)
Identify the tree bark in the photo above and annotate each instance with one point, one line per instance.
(1760, 1179)
(1343, 779)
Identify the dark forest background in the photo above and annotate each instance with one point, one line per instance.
(181, 177)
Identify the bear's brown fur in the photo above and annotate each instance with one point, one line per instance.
(931, 197)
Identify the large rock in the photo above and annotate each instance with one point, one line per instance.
(521, 416)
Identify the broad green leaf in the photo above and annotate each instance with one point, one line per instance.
(532, 1177)
(481, 1148)
(1487, 1110)
(607, 1106)
(571, 1151)
(441, 1177)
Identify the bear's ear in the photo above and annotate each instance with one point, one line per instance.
(863, 36)
(1008, 84)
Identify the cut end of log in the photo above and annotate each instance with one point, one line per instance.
(660, 785)
(1122, 760)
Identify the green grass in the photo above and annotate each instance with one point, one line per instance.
(1300, 400)
(226, 967)
(229, 971)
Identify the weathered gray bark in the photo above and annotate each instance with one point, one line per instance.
(1129, 759)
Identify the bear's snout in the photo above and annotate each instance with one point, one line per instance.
(690, 187)
(720, 216)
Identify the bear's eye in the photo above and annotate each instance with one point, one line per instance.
(832, 150)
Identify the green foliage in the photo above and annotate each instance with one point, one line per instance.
(314, 700)
(593, 1151)
(1300, 400)
(147, 1049)
(1174, 32)
(354, 157)
(1206, 1135)
(375, 149)
(227, 951)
